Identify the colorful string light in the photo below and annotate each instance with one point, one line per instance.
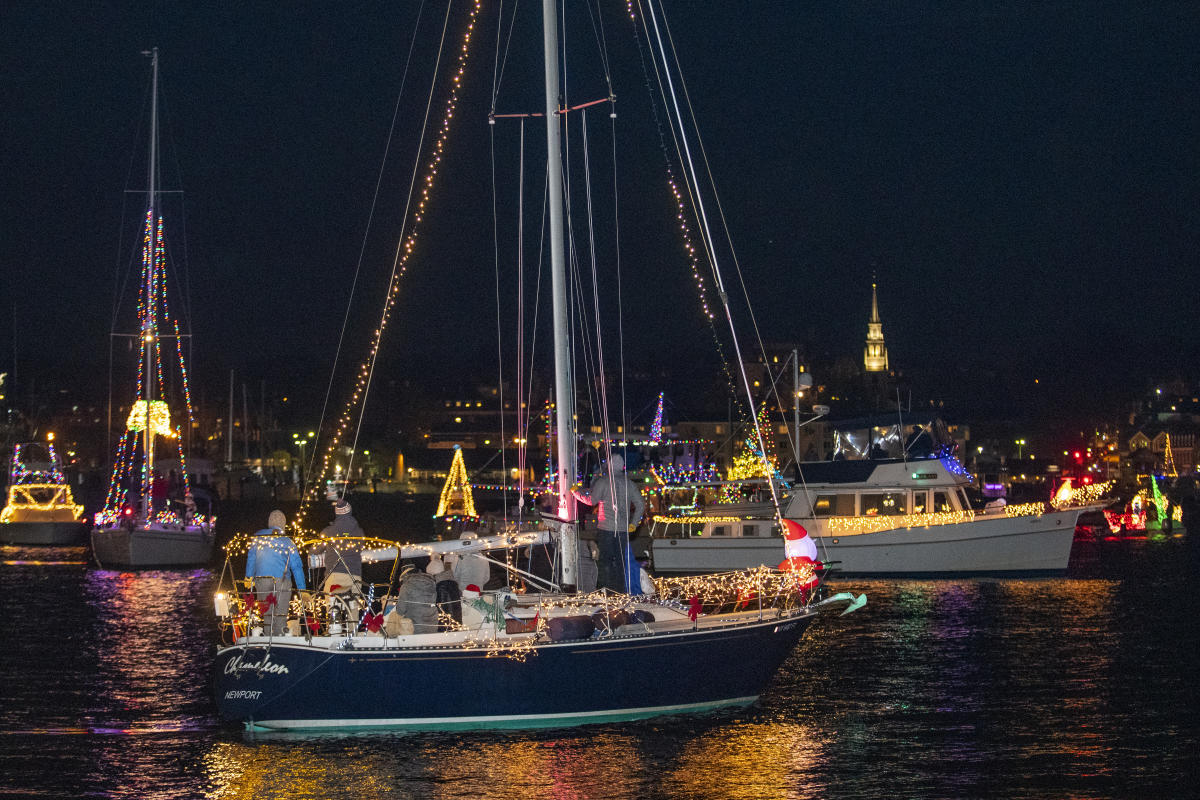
(152, 307)
(656, 427)
(671, 475)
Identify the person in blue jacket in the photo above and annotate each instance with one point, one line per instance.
(272, 562)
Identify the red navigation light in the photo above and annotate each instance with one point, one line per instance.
(1078, 457)
(1087, 478)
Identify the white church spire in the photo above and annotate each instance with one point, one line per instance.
(875, 357)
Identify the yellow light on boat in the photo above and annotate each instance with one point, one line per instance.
(221, 604)
(160, 418)
(31, 502)
(49, 436)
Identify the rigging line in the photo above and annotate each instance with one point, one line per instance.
(773, 391)
(779, 402)
(568, 405)
(717, 275)
(121, 277)
(537, 294)
(499, 326)
(716, 197)
(601, 44)
(693, 261)
(185, 299)
(689, 182)
(308, 468)
(612, 117)
(500, 63)
(522, 420)
(603, 381)
(584, 351)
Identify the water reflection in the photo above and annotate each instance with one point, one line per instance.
(967, 688)
(750, 760)
(147, 648)
(43, 556)
(426, 765)
(994, 676)
(152, 654)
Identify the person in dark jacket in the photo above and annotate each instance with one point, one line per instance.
(447, 594)
(619, 510)
(343, 557)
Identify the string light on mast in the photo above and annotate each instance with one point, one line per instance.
(403, 254)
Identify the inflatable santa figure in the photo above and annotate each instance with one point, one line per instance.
(799, 548)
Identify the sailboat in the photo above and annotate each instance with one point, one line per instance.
(150, 517)
(40, 507)
(501, 658)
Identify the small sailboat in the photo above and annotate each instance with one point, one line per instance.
(150, 517)
(40, 507)
(388, 656)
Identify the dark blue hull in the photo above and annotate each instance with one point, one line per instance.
(302, 687)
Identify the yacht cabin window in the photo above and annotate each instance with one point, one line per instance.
(720, 530)
(749, 530)
(941, 502)
(834, 505)
(920, 502)
(883, 504)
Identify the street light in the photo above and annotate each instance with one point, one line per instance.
(296, 440)
(1020, 448)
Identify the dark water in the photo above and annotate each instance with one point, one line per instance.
(1077, 687)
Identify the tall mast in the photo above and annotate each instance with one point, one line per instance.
(796, 403)
(148, 324)
(564, 393)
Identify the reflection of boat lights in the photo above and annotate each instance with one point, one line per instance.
(761, 760)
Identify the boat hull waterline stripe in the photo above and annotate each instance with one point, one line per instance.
(493, 722)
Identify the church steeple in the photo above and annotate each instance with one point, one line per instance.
(875, 357)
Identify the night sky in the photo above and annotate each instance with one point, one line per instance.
(1021, 177)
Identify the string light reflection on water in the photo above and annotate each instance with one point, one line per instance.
(1071, 687)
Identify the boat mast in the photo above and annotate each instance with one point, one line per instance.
(564, 393)
(148, 324)
(796, 402)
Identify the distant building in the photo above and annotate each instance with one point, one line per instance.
(875, 357)
(1167, 451)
